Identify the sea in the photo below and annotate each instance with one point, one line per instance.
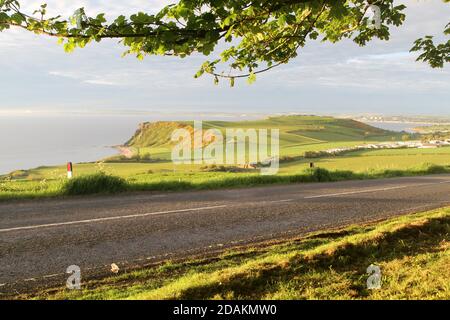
(30, 140)
(398, 126)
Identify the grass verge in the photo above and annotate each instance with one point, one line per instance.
(105, 183)
(413, 252)
(94, 183)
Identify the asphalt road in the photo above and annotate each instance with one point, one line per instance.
(40, 239)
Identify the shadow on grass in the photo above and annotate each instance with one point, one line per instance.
(351, 260)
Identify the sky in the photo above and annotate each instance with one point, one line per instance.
(383, 77)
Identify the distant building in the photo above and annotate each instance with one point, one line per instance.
(428, 146)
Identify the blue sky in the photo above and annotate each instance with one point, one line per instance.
(36, 74)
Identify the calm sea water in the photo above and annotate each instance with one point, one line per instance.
(404, 126)
(31, 141)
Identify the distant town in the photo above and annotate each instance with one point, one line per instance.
(441, 120)
(383, 145)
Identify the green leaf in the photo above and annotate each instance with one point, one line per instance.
(251, 78)
(17, 18)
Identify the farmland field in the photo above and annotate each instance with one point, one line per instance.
(391, 159)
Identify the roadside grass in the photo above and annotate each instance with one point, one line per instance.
(23, 189)
(103, 182)
(359, 161)
(412, 251)
(94, 183)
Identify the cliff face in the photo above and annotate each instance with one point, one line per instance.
(155, 134)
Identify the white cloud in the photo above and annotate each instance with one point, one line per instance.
(87, 78)
(111, 8)
(157, 76)
(387, 72)
(101, 82)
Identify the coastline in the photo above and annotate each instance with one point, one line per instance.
(124, 151)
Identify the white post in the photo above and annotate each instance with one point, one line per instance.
(69, 170)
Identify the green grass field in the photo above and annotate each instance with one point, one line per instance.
(413, 253)
(51, 182)
(298, 134)
(434, 128)
(373, 160)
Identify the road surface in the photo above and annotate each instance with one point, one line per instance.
(40, 239)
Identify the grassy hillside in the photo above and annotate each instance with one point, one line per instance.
(413, 253)
(297, 133)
